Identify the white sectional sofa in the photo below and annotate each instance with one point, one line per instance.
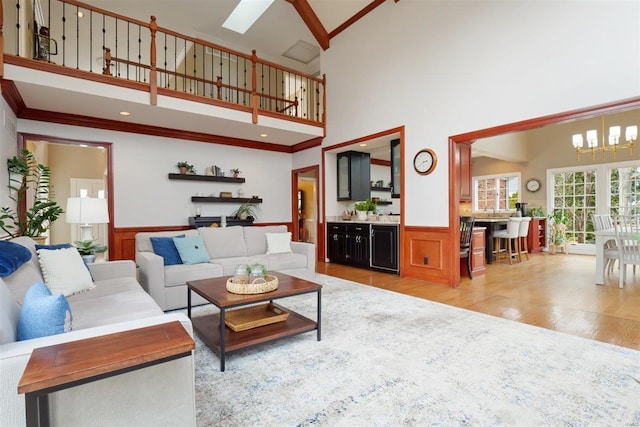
(163, 394)
(227, 247)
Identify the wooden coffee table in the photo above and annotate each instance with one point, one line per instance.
(222, 340)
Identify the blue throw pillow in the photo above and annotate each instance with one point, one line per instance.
(12, 256)
(165, 247)
(192, 250)
(54, 247)
(43, 314)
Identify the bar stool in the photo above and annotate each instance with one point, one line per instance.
(510, 235)
(523, 232)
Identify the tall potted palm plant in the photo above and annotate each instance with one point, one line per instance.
(26, 173)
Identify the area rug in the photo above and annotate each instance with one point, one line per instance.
(387, 359)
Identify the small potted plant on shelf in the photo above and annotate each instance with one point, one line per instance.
(88, 249)
(236, 172)
(363, 208)
(247, 210)
(186, 168)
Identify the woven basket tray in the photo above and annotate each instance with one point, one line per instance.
(259, 286)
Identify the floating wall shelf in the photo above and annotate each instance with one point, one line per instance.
(187, 177)
(207, 199)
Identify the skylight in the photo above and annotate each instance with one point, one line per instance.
(246, 14)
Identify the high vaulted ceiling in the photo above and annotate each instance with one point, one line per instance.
(283, 24)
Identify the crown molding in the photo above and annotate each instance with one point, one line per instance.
(11, 94)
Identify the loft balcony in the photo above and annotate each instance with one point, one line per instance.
(67, 61)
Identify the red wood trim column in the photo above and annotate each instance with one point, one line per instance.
(1, 42)
(254, 83)
(153, 74)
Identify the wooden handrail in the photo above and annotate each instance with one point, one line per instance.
(105, 12)
(153, 75)
(254, 83)
(288, 70)
(203, 42)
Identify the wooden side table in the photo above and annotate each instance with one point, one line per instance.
(67, 365)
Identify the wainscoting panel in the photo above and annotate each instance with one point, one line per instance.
(124, 238)
(426, 254)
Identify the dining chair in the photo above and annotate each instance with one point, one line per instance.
(611, 253)
(523, 233)
(627, 228)
(510, 236)
(466, 231)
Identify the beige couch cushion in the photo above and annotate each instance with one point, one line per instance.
(256, 240)
(111, 301)
(177, 275)
(224, 242)
(276, 262)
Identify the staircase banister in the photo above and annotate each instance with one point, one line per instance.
(288, 70)
(105, 12)
(202, 42)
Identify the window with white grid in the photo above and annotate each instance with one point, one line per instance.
(496, 193)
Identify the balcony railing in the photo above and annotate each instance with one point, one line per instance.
(88, 39)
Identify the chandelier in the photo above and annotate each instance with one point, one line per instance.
(630, 136)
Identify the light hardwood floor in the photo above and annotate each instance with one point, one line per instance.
(551, 291)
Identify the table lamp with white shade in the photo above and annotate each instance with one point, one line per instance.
(87, 211)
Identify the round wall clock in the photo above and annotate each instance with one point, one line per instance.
(425, 161)
(533, 185)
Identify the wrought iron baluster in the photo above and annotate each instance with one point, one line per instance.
(166, 75)
(244, 93)
(194, 89)
(64, 35)
(77, 38)
(140, 69)
(91, 41)
(212, 68)
(18, 53)
(128, 48)
(116, 45)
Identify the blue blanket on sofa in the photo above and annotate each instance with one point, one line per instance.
(12, 256)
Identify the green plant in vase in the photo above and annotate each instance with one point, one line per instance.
(186, 168)
(26, 173)
(247, 210)
(88, 249)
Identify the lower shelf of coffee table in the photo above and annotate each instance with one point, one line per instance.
(208, 329)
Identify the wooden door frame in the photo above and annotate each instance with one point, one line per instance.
(524, 125)
(23, 137)
(294, 201)
(322, 223)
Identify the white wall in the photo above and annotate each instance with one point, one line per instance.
(144, 196)
(443, 68)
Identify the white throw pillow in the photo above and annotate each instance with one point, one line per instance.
(278, 243)
(64, 271)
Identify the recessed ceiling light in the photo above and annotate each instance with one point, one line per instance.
(84, 145)
(80, 14)
(363, 145)
(125, 113)
(264, 135)
(246, 14)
